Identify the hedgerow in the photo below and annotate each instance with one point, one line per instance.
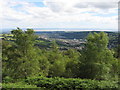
(70, 83)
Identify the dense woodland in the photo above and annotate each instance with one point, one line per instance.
(25, 65)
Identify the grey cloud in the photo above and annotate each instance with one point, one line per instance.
(81, 5)
(55, 7)
(104, 5)
(11, 19)
(100, 5)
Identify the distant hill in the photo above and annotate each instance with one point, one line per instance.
(113, 36)
(7, 30)
(69, 34)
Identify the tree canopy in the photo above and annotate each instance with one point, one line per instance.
(22, 58)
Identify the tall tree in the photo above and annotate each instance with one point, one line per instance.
(97, 58)
(22, 61)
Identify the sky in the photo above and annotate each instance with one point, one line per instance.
(100, 14)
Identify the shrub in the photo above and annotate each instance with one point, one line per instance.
(20, 86)
(70, 83)
(17, 85)
(7, 79)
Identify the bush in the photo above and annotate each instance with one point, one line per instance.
(70, 83)
(7, 79)
(17, 85)
(20, 85)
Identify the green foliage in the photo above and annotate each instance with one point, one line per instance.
(44, 64)
(7, 79)
(57, 61)
(19, 57)
(73, 62)
(97, 58)
(70, 83)
(22, 58)
(17, 85)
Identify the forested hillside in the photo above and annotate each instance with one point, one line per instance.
(113, 36)
(25, 65)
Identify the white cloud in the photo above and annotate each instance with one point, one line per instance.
(58, 13)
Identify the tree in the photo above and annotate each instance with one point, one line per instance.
(97, 58)
(0, 61)
(21, 57)
(73, 61)
(57, 61)
(44, 63)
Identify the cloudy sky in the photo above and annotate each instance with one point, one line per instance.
(59, 14)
